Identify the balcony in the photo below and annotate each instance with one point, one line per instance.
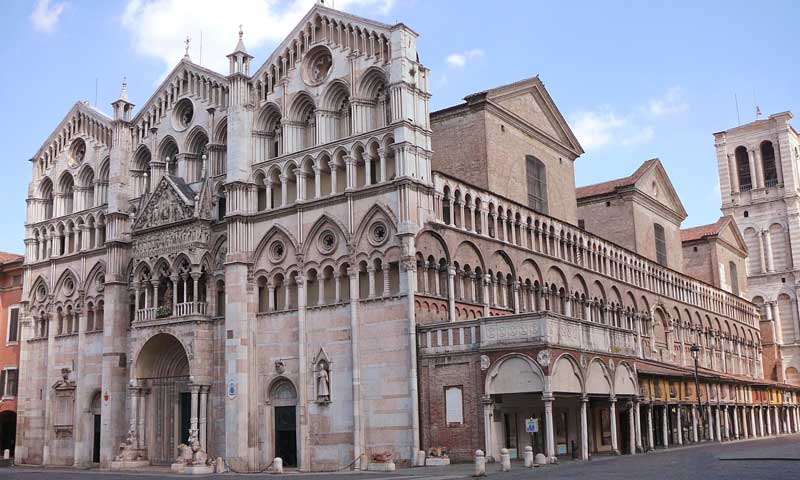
(186, 309)
(528, 329)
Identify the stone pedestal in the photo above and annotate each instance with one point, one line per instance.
(128, 464)
(381, 467)
(192, 469)
(437, 461)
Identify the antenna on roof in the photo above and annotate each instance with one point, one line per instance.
(738, 118)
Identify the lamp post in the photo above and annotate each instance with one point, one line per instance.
(695, 349)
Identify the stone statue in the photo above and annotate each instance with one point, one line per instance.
(323, 383)
(168, 297)
(191, 454)
(127, 449)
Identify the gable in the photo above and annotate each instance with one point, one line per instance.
(655, 184)
(82, 121)
(528, 105)
(166, 205)
(730, 235)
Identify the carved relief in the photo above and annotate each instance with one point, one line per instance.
(163, 207)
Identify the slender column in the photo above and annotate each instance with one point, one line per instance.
(768, 245)
(613, 413)
(134, 422)
(726, 422)
(736, 422)
(451, 293)
(694, 424)
(317, 182)
(550, 432)
(371, 274)
(203, 415)
(679, 421)
(777, 421)
(195, 390)
(754, 431)
(650, 440)
(761, 252)
(487, 425)
(386, 280)
(718, 425)
(711, 431)
(141, 431)
(584, 429)
(665, 430)
(632, 428)
(320, 289)
(764, 421)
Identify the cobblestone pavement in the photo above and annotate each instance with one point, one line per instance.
(766, 459)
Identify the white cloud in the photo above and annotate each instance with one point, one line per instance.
(45, 17)
(596, 129)
(158, 28)
(459, 60)
(604, 127)
(670, 103)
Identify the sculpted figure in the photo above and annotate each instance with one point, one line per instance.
(323, 383)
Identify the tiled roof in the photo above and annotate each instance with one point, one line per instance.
(701, 231)
(611, 185)
(6, 257)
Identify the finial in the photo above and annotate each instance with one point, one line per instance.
(123, 94)
(241, 32)
(186, 43)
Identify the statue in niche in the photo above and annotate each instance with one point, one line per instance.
(323, 382)
(168, 297)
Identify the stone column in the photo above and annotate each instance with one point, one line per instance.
(134, 413)
(584, 429)
(613, 415)
(761, 252)
(726, 422)
(679, 421)
(765, 420)
(768, 245)
(451, 293)
(195, 391)
(718, 425)
(550, 432)
(632, 428)
(487, 425)
(204, 416)
(638, 421)
(777, 422)
(735, 422)
(650, 440)
(141, 432)
(754, 431)
(371, 275)
(695, 438)
(665, 430)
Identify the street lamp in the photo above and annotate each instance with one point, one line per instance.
(695, 349)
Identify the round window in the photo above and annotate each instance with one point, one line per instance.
(378, 233)
(41, 293)
(76, 153)
(69, 286)
(183, 114)
(277, 251)
(327, 242)
(317, 65)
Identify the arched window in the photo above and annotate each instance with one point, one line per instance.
(661, 244)
(734, 276)
(537, 184)
(768, 164)
(743, 169)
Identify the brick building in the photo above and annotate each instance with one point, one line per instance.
(11, 275)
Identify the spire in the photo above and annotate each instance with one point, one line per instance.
(240, 44)
(123, 94)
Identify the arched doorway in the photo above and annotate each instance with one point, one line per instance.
(96, 426)
(162, 371)
(283, 398)
(8, 431)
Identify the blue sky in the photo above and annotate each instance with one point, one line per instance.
(635, 80)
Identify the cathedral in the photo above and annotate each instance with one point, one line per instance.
(210, 278)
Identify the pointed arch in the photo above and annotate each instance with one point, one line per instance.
(566, 376)
(514, 373)
(340, 230)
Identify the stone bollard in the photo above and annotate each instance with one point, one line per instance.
(480, 464)
(528, 457)
(539, 460)
(505, 460)
(6, 454)
(277, 465)
(421, 458)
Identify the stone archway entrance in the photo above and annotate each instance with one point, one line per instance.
(283, 398)
(164, 398)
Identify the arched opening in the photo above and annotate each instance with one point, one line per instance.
(8, 431)
(743, 169)
(96, 427)
(162, 370)
(66, 190)
(46, 196)
(768, 164)
(283, 398)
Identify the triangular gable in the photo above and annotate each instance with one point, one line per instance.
(98, 128)
(323, 12)
(530, 101)
(730, 233)
(655, 183)
(169, 203)
(176, 75)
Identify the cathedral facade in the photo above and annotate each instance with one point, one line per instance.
(274, 263)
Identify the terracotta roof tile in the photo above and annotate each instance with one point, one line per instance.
(6, 257)
(701, 231)
(611, 185)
